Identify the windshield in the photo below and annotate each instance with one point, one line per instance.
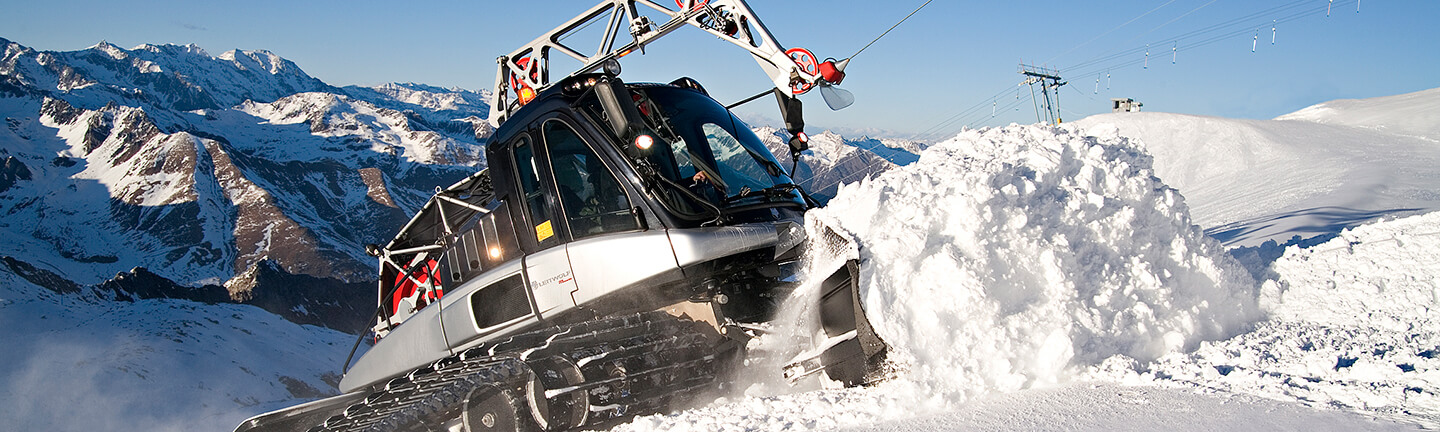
(703, 147)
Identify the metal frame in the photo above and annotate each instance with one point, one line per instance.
(731, 20)
(438, 202)
(1049, 79)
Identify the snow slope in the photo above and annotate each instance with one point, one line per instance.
(1355, 323)
(77, 362)
(1412, 114)
(1310, 173)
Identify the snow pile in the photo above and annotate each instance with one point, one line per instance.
(1384, 275)
(1011, 258)
(1355, 325)
(1007, 259)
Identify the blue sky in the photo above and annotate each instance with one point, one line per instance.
(951, 56)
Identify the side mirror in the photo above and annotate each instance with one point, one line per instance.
(620, 109)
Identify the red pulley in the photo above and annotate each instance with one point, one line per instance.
(806, 62)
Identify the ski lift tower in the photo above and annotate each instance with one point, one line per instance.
(1049, 81)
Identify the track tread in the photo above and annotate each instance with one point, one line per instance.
(633, 364)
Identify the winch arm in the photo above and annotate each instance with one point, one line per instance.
(525, 72)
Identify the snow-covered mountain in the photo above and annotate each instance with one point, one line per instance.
(833, 160)
(225, 171)
(76, 361)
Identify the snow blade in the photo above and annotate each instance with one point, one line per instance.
(851, 352)
(844, 344)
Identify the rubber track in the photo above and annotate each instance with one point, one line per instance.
(632, 365)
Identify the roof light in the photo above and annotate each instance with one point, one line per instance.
(644, 142)
(612, 66)
(527, 94)
(798, 143)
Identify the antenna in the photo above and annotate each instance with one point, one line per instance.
(1049, 81)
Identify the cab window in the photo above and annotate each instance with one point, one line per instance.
(535, 203)
(591, 197)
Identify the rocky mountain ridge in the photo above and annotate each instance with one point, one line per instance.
(200, 172)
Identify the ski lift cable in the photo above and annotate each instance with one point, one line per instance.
(1101, 69)
(970, 118)
(957, 116)
(1206, 42)
(1112, 30)
(1210, 40)
(1231, 22)
(867, 171)
(897, 24)
(1173, 20)
(974, 119)
(968, 110)
(1214, 33)
(964, 113)
(1082, 93)
(1007, 108)
(1242, 22)
(1011, 104)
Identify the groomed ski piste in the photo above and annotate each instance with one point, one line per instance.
(1026, 277)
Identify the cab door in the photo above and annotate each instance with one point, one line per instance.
(609, 244)
(547, 265)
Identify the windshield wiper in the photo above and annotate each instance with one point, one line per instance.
(648, 171)
(777, 191)
(782, 190)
